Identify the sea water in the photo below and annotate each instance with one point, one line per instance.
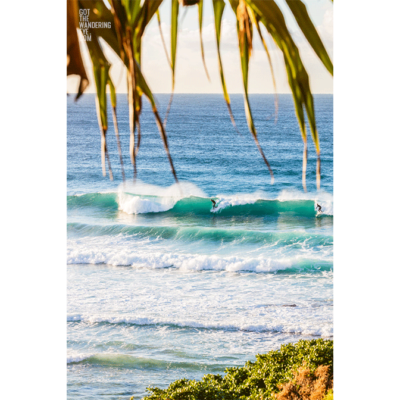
(163, 286)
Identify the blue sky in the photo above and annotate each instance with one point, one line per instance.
(190, 74)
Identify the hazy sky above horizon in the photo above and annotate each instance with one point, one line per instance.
(190, 74)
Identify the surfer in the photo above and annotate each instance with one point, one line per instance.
(319, 209)
(214, 203)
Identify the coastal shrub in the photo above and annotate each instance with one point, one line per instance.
(307, 385)
(263, 379)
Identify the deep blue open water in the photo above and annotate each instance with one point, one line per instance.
(160, 285)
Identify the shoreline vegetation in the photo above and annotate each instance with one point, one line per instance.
(299, 371)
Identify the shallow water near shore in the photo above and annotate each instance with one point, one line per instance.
(163, 286)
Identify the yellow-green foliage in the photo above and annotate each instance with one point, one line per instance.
(127, 22)
(261, 379)
(329, 396)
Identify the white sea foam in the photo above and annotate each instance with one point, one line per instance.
(137, 205)
(324, 199)
(78, 357)
(177, 190)
(124, 250)
(164, 198)
(186, 262)
(239, 199)
(326, 206)
(297, 328)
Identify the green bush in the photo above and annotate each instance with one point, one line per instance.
(256, 380)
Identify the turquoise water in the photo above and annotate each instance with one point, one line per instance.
(161, 285)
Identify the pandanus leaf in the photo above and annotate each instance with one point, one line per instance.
(101, 68)
(100, 13)
(219, 6)
(129, 19)
(132, 7)
(132, 100)
(174, 37)
(298, 106)
(124, 32)
(200, 7)
(113, 97)
(120, 22)
(255, 20)
(147, 92)
(143, 16)
(174, 42)
(272, 17)
(147, 11)
(162, 37)
(245, 36)
(74, 59)
(299, 11)
(124, 37)
(142, 87)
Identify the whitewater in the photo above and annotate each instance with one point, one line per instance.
(164, 286)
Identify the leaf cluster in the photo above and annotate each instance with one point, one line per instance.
(261, 379)
(128, 20)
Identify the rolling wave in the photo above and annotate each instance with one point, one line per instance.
(238, 205)
(100, 254)
(323, 331)
(199, 233)
(132, 362)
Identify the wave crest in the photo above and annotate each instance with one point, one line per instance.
(186, 198)
(81, 254)
(323, 331)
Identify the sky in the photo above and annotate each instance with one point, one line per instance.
(190, 76)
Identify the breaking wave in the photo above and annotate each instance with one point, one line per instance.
(257, 204)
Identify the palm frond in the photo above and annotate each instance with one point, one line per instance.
(200, 6)
(272, 17)
(219, 6)
(113, 97)
(129, 19)
(245, 36)
(162, 37)
(101, 68)
(299, 11)
(74, 59)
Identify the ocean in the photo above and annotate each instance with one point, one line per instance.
(161, 286)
